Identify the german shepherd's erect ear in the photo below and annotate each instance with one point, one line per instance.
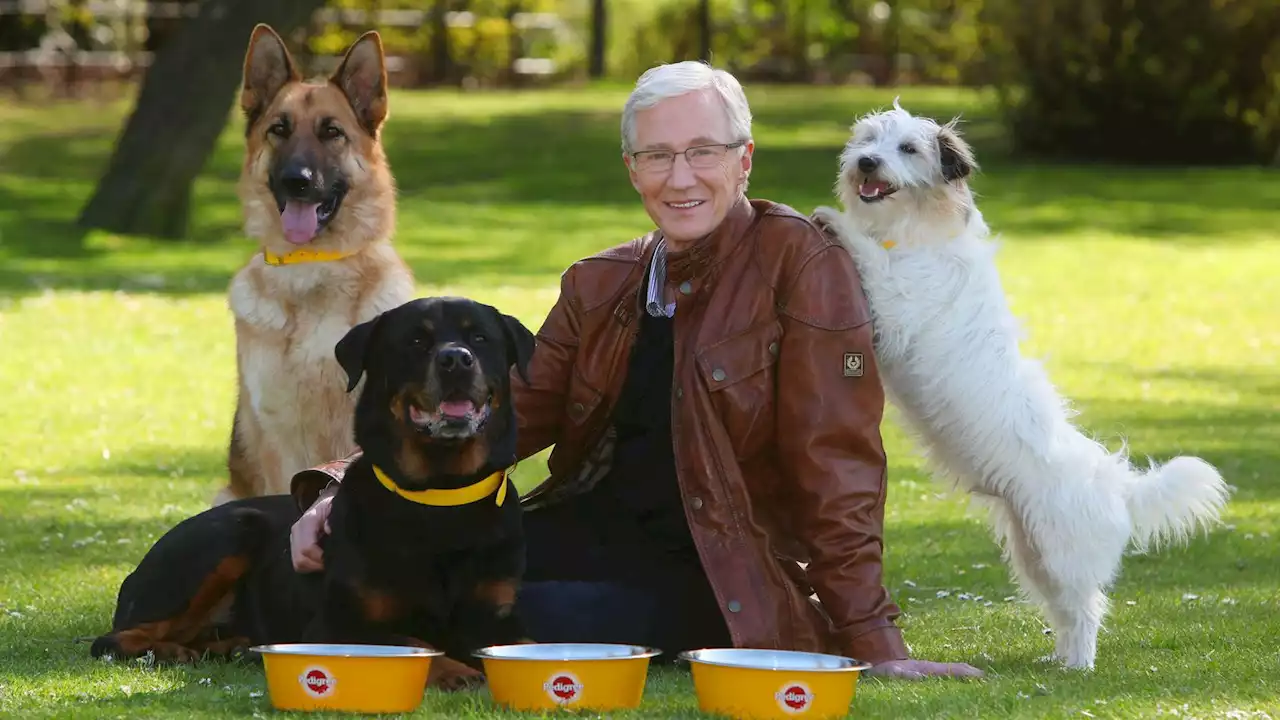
(362, 76)
(268, 67)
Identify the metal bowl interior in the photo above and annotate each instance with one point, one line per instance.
(341, 650)
(790, 660)
(566, 651)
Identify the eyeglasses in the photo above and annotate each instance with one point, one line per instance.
(698, 156)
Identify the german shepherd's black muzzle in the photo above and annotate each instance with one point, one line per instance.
(308, 194)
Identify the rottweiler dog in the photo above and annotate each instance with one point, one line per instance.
(426, 544)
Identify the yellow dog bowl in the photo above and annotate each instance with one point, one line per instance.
(545, 676)
(759, 684)
(356, 678)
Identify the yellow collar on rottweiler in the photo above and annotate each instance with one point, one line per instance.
(450, 497)
(303, 255)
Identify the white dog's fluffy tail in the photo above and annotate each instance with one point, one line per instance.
(1168, 502)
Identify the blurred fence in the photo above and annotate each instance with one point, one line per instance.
(71, 45)
(1121, 79)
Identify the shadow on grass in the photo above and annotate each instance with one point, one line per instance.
(1241, 444)
(537, 190)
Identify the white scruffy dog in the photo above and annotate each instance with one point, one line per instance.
(1061, 505)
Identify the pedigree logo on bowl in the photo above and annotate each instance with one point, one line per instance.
(563, 687)
(794, 698)
(317, 681)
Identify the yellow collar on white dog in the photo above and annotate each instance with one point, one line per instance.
(887, 244)
(441, 497)
(303, 255)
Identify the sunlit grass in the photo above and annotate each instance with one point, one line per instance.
(1150, 295)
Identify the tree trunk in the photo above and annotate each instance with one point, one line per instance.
(704, 30)
(441, 54)
(182, 109)
(893, 30)
(599, 31)
(515, 43)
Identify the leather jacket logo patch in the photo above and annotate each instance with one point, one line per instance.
(853, 364)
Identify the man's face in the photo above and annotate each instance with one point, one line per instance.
(687, 201)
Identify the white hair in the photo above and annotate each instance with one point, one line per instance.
(668, 81)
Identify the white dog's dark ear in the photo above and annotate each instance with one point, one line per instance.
(954, 154)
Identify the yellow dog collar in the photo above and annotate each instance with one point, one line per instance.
(303, 255)
(450, 497)
(887, 244)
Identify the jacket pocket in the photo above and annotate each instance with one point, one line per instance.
(739, 372)
(581, 400)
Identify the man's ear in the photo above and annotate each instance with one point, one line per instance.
(268, 67)
(520, 344)
(632, 174)
(954, 154)
(352, 350)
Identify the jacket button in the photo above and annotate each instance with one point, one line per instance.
(695, 503)
(735, 606)
(686, 287)
(578, 408)
(679, 393)
(773, 348)
(718, 375)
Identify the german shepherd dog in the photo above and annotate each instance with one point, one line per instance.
(426, 545)
(319, 198)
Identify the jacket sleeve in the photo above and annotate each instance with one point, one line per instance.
(540, 402)
(830, 405)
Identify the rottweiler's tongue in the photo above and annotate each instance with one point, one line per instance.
(300, 221)
(457, 408)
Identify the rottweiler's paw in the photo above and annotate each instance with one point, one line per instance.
(232, 649)
(450, 675)
(105, 648)
(239, 653)
(459, 682)
(173, 653)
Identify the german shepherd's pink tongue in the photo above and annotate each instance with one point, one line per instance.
(300, 221)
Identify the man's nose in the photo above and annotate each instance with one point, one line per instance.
(682, 174)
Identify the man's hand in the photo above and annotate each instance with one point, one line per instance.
(918, 669)
(304, 538)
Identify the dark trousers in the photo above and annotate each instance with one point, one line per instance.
(578, 589)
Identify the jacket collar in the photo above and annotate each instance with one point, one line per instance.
(714, 247)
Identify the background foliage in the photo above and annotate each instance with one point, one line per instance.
(1151, 81)
(1129, 80)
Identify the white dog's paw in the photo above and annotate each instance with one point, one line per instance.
(832, 223)
(828, 218)
(837, 226)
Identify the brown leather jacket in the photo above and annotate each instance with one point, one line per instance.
(776, 409)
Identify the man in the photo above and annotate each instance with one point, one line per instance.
(715, 408)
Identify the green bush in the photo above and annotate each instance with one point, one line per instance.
(1178, 81)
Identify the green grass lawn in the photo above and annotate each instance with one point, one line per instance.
(1150, 294)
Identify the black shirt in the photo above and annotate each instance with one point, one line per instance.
(631, 526)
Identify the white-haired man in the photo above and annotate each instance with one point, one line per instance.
(718, 476)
